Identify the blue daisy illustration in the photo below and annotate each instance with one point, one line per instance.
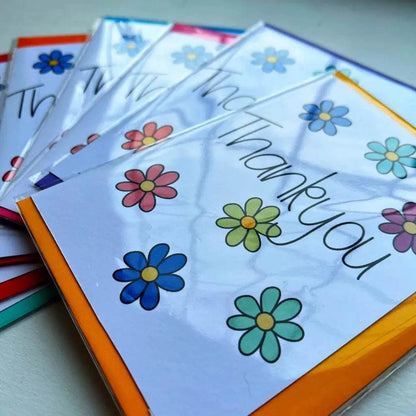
(130, 45)
(392, 157)
(55, 62)
(148, 275)
(272, 60)
(191, 57)
(325, 117)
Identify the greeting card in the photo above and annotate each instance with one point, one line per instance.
(22, 305)
(19, 278)
(244, 264)
(181, 51)
(115, 46)
(37, 70)
(14, 241)
(4, 59)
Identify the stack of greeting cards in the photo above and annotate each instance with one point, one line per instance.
(230, 217)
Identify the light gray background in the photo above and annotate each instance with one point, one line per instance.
(44, 367)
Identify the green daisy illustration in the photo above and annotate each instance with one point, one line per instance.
(246, 224)
(265, 323)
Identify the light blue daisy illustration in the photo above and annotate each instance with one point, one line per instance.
(272, 60)
(191, 57)
(325, 117)
(131, 45)
(392, 157)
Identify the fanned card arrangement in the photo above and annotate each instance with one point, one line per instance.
(229, 217)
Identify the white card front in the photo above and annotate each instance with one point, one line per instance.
(4, 58)
(36, 73)
(230, 260)
(264, 62)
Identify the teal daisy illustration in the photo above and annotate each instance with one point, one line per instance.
(249, 223)
(392, 157)
(265, 323)
(333, 68)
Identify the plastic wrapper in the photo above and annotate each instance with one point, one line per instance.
(176, 55)
(115, 46)
(248, 71)
(246, 263)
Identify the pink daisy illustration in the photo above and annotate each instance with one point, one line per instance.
(15, 163)
(150, 135)
(144, 188)
(79, 147)
(404, 225)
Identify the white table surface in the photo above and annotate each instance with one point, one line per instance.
(44, 367)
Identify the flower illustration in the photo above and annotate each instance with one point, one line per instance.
(191, 57)
(130, 45)
(144, 188)
(265, 323)
(79, 147)
(247, 224)
(333, 68)
(15, 163)
(325, 117)
(392, 156)
(272, 60)
(404, 225)
(55, 62)
(151, 134)
(148, 275)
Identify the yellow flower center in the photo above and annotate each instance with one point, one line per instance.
(148, 140)
(265, 321)
(392, 156)
(271, 59)
(147, 186)
(325, 116)
(131, 45)
(150, 274)
(248, 222)
(409, 227)
(191, 57)
(53, 62)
